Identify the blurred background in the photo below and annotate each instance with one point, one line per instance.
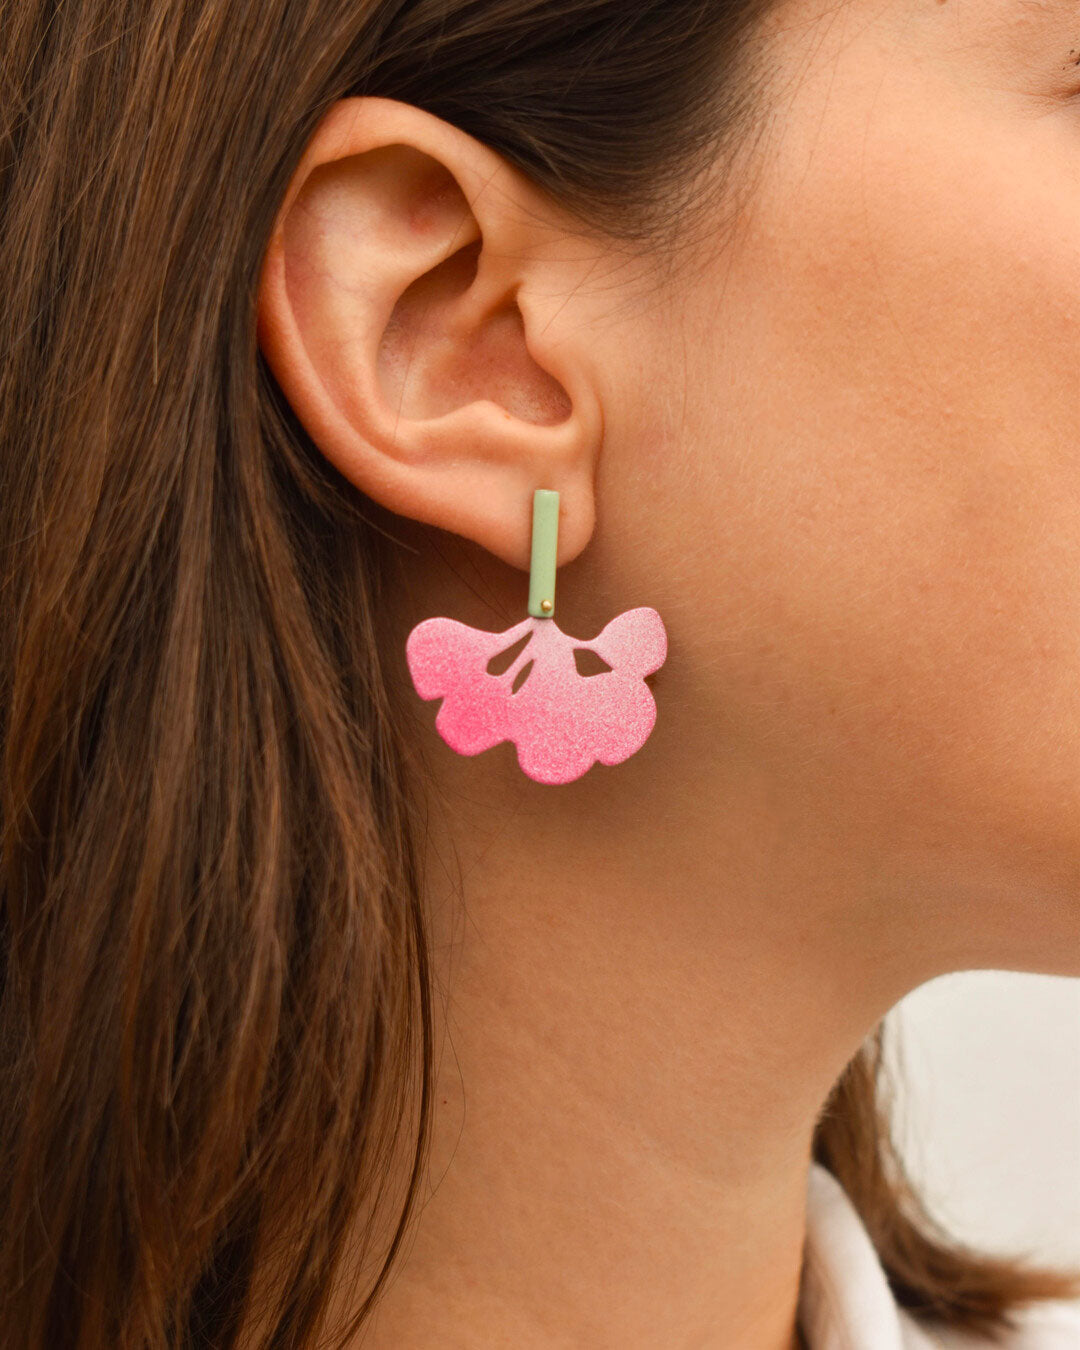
(988, 1113)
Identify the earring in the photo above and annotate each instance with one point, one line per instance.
(524, 685)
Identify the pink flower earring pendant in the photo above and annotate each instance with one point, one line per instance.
(524, 685)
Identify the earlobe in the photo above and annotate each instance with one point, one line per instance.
(415, 313)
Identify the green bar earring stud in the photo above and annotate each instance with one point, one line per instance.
(545, 546)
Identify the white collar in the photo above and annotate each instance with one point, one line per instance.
(845, 1302)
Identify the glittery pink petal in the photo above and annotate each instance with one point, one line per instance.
(561, 722)
(635, 642)
(448, 660)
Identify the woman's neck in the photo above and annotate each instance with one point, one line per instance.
(630, 1067)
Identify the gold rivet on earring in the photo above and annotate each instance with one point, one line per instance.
(545, 605)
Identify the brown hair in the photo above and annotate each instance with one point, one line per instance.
(214, 1001)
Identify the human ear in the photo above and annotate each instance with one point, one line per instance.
(416, 308)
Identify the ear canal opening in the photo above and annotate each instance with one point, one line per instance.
(501, 662)
(589, 662)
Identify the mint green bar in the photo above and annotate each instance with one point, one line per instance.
(545, 546)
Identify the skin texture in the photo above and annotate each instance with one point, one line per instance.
(833, 443)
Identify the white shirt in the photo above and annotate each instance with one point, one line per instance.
(845, 1302)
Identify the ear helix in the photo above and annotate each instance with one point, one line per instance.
(560, 721)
